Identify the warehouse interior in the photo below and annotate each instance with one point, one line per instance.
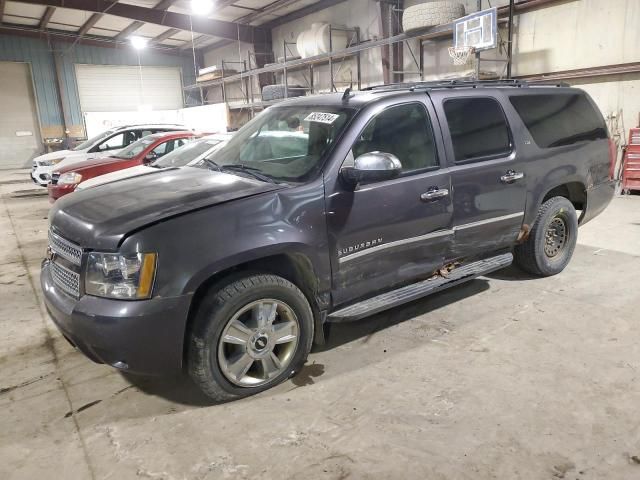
(508, 375)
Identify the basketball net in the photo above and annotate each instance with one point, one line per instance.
(461, 55)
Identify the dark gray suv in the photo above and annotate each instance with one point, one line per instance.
(323, 209)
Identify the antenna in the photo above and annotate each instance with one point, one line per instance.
(347, 93)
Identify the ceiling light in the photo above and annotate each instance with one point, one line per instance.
(138, 42)
(201, 7)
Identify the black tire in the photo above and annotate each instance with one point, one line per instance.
(556, 218)
(276, 92)
(216, 311)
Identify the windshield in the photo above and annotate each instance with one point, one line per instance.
(88, 143)
(187, 153)
(284, 143)
(136, 148)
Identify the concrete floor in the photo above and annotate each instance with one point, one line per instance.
(506, 377)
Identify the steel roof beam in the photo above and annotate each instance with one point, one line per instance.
(124, 34)
(88, 25)
(164, 35)
(201, 25)
(46, 18)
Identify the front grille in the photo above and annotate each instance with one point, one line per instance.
(65, 279)
(54, 178)
(65, 248)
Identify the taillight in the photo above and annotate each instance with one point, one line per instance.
(613, 157)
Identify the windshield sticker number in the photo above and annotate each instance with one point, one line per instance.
(321, 117)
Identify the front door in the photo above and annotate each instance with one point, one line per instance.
(395, 231)
(487, 174)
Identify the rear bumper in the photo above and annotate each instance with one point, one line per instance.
(144, 337)
(598, 198)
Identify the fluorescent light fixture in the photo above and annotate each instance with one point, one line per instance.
(201, 7)
(138, 42)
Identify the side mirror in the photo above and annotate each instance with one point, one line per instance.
(372, 167)
(150, 157)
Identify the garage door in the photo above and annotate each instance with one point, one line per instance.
(111, 88)
(19, 138)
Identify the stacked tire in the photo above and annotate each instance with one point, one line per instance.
(431, 14)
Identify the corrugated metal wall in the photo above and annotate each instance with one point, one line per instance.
(40, 54)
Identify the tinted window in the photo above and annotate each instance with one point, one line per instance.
(560, 119)
(405, 131)
(478, 128)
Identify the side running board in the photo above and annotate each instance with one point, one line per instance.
(421, 289)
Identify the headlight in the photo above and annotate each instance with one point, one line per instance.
(71, 178)
(120, 276)
(48, 163)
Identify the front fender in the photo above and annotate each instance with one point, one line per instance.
(195, 246)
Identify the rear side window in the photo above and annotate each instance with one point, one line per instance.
(478, 128)
(560, 119)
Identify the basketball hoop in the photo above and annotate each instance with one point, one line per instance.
(461, 55)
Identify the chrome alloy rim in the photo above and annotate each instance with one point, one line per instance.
(555, 237)
(258, 343)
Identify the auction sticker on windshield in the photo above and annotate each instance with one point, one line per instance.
(321, 117)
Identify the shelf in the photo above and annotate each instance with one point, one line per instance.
(428, 33)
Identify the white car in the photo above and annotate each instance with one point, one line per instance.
(189, 154)
(103, 145)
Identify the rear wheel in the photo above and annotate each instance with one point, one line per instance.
(552, 239)
(249, 336)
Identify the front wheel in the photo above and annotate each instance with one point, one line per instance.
(249, 336)
(552, 239)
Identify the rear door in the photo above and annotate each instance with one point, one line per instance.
(395, 231)
(487, 175)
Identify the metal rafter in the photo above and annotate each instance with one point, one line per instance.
(164, 35)
(246, 19)
(303, 12)
(46, 18)
(201, 25)
(132, 27)
(165, 4)
(88, 25)
(196, 41)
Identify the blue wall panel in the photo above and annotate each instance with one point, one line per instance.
(40, 54)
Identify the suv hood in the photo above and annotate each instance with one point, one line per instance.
(102, 216)
(55, 154)
(117, 175)
(79, 166)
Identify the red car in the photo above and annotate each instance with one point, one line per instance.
(145, 150)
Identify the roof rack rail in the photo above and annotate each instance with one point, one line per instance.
(460, 83)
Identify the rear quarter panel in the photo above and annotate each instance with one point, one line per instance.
(585, 162)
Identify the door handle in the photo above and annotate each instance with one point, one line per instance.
(434, 193)
(511, 176)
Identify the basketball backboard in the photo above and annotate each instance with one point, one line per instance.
(478, 30)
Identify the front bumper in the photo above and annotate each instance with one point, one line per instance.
(144, 336)
(40, 176)
(598, 198)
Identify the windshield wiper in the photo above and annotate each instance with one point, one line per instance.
(211, 164)
(254, 172)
